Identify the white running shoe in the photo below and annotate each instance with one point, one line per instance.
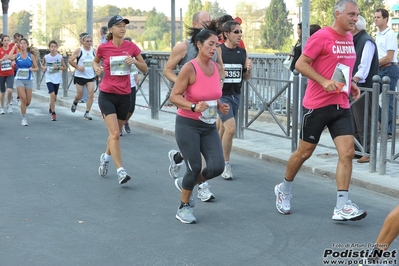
(350, 211)
(2, 111)
(203, 192)
(103, 169)
(9, 109)
(24, 122)
(123, 177)
(283, 201)
(185, 215)
(227, 174)
(174, 167)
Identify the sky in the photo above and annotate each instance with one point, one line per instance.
(163, 6)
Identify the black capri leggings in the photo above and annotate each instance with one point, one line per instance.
(193, 138)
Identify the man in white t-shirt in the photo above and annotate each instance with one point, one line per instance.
(387, 46)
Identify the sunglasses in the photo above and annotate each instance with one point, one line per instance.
(237, 31)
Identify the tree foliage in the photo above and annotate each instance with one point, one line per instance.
(107, 11)
(156, 26)
(250, 17)
(322, 12)
(277, 28)
(19, 22)
(214, 9)
(193, 6)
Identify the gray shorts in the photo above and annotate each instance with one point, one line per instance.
(28, 84)
(234, 102)
(6, 83)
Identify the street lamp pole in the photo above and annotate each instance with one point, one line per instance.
(4, 5)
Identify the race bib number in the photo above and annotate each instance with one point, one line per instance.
(6, 65)
(233, 73)
(22, 73)
(118, 66)
(88, 63)
(51, 69)
(209, 116)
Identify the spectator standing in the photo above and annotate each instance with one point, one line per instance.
(326, 104)
(117, 56)
(365, 68)
(387, 46)
(238, 68)
(26, 64)
(52, 64)
(196, 94)
(84, 73)
(103, 33)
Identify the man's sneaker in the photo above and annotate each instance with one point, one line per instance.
(123, 177)
(2, 111)
(24, 122)
(121, 133)
(73, 108)
(87, 116)
(350, 211)
(18, 101)
(227, 174)
(9, 109)
(53, 117)
(178, 185)
(203, 192)
(103, 169)
(283, 201)
(127, 127)
(174, 167)
(185, 215)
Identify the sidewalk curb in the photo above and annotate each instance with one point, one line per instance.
(282, 159)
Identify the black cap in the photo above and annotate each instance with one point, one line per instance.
(117, 19)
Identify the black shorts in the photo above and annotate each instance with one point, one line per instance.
(111, 103)
(82, 81)
(336, 119)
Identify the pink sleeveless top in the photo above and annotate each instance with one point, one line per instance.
(203, 89)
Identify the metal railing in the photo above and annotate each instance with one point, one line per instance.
(267, 96)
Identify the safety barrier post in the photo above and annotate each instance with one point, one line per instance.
(154, 89)
(65, 78)
(374, 123)
(39, 74)
(295, 111)
(384, 125)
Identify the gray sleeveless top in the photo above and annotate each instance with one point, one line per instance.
(192, 53)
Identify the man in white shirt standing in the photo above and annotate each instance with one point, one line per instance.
(387, 46)
(365, 68)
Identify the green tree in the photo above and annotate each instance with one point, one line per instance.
(214, 9)
(19, 22)
(277, 29)
(251, 19)
(193, 6)
(107, 11)
(322, 12)
(156, 27)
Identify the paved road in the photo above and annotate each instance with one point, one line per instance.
(56, 210)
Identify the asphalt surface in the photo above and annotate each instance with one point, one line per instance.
(56, 210)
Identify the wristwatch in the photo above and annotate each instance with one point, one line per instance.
(193, 107)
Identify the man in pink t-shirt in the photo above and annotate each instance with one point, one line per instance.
(327, 60)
